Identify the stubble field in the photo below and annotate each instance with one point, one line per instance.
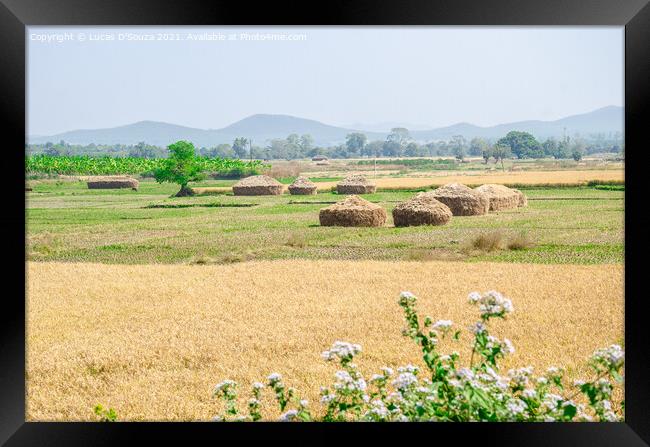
(151, 341)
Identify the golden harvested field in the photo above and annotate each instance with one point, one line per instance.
(151, 341)
(476, 178)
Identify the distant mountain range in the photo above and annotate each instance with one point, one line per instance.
(261, 128)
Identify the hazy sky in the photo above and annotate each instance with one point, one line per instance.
(423, 76)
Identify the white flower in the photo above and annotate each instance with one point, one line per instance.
(613, 356)
(274, 378)
(528, 393)
(408, 368)
(507, 347)
(404, 380)
(578, 382)
(605, 405)
(327, 398)
(378, 409)
(542, 380)
(341, 350)
(549, 419)
(224, 386)
(253, 402)
(304, 403)
(553, 371)
(610, 416)
(443, 325)
(344, 381)
(289, 416)
(474, 297)
(516, 406)
(491, 303)
(407, 298)
(465, 374)
(387, 371)
(551, 401)
(478, 328)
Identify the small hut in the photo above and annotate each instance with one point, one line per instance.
(355, 184)
(500, 197)
(353, 212)
(461, 200)
(302, 186)
(523, 200)
(113, 183)
(257, 185)
(421, 210)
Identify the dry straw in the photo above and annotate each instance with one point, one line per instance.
(257, 185)
(523, 200)
(113, 183)
(353, 212)
(302, 186)
(462, 200)
(421, 210)
(355, 184)
(500, 197)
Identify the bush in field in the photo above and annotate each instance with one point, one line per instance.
(105, 415)
(181, 167)
(444, 390)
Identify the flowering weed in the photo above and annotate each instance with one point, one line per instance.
(447, 391)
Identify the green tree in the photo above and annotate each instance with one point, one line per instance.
(412, 149)
(355, 142)
(373, 149)
(486, 153)
(181, 167)
(458, 145)
(477, 147)
(578, 150)
(550, 147)
(522, 144)
(306, 143)
(52, 151)
(240, 147)
(501, 152)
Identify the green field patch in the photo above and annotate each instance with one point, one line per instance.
(200, 205)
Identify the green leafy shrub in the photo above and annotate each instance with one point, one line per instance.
(105, 415)
(445, 390)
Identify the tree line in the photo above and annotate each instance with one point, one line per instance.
(398, 143)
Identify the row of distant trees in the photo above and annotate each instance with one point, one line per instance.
(398, 143)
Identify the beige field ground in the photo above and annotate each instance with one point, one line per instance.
(477, 178)
(152, 340)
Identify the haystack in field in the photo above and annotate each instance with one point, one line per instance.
(302, 186)
(500, 197)
(523, 200)
(353, 212)
(257, 185)
(355, 184)
(421, 210)
(113, 183)
(461, 200)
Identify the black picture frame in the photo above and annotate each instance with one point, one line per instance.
(15, 15)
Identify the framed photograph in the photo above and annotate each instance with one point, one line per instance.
(331, 214)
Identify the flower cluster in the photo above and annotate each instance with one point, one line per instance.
(442, 390)
(341, 350)
(491, 304)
